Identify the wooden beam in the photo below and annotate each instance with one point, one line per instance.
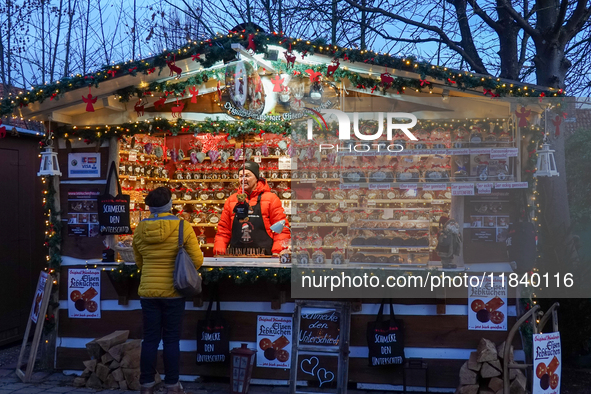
(243, 52)
(61, 118)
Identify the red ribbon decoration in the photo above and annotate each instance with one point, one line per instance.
(542, 95)
(151, 70)
(195, 57)
(557, 121)
(112, 72)
(450, 80)
(345, 57)
(360, 86)
(52, 96)
(424, 82)
(132, 69)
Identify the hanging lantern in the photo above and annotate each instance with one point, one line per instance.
(546, 165)
(242, 362)
(49, 165)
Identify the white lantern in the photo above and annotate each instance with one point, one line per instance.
(546, 165)
(49, 164)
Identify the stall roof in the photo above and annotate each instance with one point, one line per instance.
(202, 64)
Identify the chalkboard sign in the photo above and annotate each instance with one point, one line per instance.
(113, 211)
(319, 327)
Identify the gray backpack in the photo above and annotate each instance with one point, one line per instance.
(186, 279)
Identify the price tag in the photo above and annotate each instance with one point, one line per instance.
(480, 151)
(394, 250)
(311, 180)
(519, 185)
(460, 151)
(299, 225)
(348, 186)
(142, 158)
(512, 152)
(257, 159)
(132, 156)
(503, 185)
(133, 178)
(462, 189)
(484, 187)
(131, 205)
(343, 204)
(285, 163)
(408, 186)
(371, 203)
(498, 154)
(142, 181)
(434, 186)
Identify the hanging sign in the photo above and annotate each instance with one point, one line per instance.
(84, 293)
(83, 212)
(547, 363)
(274, 347)
(487, 304)
(84, 165)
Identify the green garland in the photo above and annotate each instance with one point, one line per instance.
(211, 51)
(53, 238)
(180, 126)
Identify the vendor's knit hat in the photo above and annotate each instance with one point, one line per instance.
(252, 167)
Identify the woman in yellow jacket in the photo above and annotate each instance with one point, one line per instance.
(155, 245)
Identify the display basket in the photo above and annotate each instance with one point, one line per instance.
(126, 253)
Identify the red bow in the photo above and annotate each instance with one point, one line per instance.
(52, 96)
(424, 82)
(450, 80)
(360, 86)
(345, 57)
(304, 54)
(132, 69)
(296, 72)
(23, 104)
(195, 57)
(374, 88)
(151, 70)
(112, 72)
(542, 95)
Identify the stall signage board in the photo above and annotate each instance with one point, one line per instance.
(83, 213)
(462, 189)
(84, 165)
(84, 293)
(408, 186)
(487, 305)
(484, 187)
(38, 296)
(273, 337)
(547, 363)
(285, 163)
(319, 327)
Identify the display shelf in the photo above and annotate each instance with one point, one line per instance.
(295, 200)
(138, 177)
(388, 228)
(314, 180)
(313, 224)
(188, 157)
(224, 180)
(126, 152)
(198, 201)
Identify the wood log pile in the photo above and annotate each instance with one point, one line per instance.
(114, 363)
(483, 372)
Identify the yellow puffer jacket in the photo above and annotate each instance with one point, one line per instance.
(155, 245)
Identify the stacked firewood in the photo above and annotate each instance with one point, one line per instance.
(114, 363)
(483, 372)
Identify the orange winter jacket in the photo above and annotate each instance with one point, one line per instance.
(155, 246)
(271, 210)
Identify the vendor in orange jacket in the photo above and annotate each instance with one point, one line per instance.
(247, 224)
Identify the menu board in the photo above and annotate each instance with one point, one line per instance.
(83, 213)
(319, 327)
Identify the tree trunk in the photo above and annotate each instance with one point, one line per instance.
(333, 24)
(508, 51)
(68, 36)
(57, 40)
(362, 43)
(280, 15)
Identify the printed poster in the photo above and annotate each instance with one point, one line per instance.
(84, 165)
(84, 293)
(487, 305)
(274, 335)
(83, 213)
(547, 363)
(39, 296)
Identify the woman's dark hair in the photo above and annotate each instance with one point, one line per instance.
(158, 197)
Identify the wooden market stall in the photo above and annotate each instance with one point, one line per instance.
(187, 118)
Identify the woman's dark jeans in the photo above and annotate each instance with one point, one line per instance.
(162, 321)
